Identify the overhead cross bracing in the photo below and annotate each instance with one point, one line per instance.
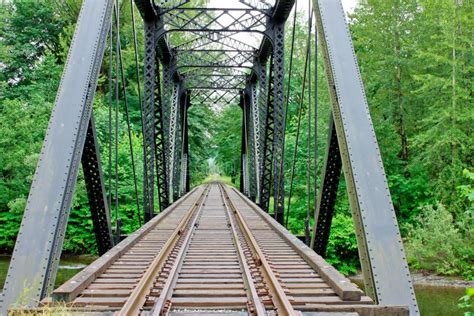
(211, 38)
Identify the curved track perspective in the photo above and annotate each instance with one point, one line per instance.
(214, 252)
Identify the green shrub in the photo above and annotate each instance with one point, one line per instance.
(438, 244)
(342, 246)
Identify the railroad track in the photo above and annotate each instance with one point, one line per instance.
(213, 252)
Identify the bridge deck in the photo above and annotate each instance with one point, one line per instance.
(214, 251)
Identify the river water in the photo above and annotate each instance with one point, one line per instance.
(432, 300)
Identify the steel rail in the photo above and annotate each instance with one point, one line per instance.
(70, 290)
(279, 298)
(138, 296)
(247, 276)
(166, 291)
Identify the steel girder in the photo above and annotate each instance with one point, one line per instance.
(172, 137)
(160, 147)
(244, 175)
(262, 6)
(184, 183)
(215, 82)
(183, 100)
(252, 129)
(274, 132)
(215, 58)
(37, 251)
(213, 40)
(216, 96)
(260, 118)
(278, 118)
(267, 153)
(148, 119)
(384, 266)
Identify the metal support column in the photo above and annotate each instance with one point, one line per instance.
(278, 118)
(148, 118)
(166, 105)
(37, 251)
(327, 193)
(185, 148)
(160, 156)
(384, 266)
(173, 142)
(260, 99)
(267, 159)
(251, 146)
(244, 175)
(93, 179)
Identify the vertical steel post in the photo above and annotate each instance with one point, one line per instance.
(148, 119)
(173, 139)
(256, 137)
(261, 113)
(267, 159)
(182, 161)
(160, 155)
(244, 175)
(251, 131)
(166, 105)
(278, 119)
(185, 148)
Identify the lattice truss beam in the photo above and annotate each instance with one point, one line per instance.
(215, 19)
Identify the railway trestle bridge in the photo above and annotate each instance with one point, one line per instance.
(211, 249)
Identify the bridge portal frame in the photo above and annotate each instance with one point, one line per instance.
(70, 137)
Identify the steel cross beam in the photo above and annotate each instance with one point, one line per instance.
(215, 58)
(214, 39)
(209, 96)
(214, 19)
(259, 5)
(214, 82)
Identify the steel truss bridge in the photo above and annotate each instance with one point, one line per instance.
(211, 247)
